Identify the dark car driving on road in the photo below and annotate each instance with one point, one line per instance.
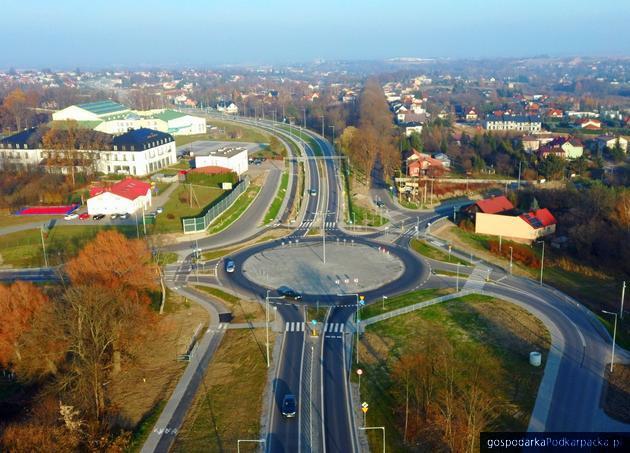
(289, 293)
(230, 266)
(289, 406)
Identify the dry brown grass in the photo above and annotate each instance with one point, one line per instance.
(242, 310)
(228, 404)
(154, 372)
(617, 393)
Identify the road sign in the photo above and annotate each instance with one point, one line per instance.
(359, 371)
(364, 404)
(361, 302)
(314, 321)
(364, 409)
(361, 297)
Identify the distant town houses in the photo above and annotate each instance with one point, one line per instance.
(527, 124)
(138, 152)
(497, 216)
(227, 107)
(114, 118)
(590, 124)
(566, 148)
(610, 141)
(419, 164)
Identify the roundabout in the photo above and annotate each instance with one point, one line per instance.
(352, 265)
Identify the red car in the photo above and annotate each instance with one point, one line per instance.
(84, 216)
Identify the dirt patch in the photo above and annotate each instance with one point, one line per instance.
(154, 371)
(617, 393)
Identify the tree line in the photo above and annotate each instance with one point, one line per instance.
(66, 343)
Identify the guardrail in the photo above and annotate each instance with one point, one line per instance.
(201, 223)
(414, 307)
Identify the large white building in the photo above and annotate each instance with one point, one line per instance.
(138, 152)
(232, 157)
(113, 118)
(126, 196)
(528, 124)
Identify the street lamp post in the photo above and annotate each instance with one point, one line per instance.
(457, 281)
(267, 297)
(511, 260)
(358, 318)
(542, 261)
(623, 296)
(612, 358)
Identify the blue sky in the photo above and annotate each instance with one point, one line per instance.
(102, 33)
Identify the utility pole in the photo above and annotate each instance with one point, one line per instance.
(518, 187)
(457, 281)
(510, 260)
(304, 117)
(267, 321)
(623, 295)
(542, 262)
(612, 358)
(41, 232)
(322, 125)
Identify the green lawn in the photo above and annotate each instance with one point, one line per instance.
(178, 206)
(24, 248)
(362, 216)
(474, 328)
(393, 303)
(423, 248)
(274, 208)
(11, 220)
(312, 143)
(231, 215)
(227, 131)
(216, 292)
(594, 292)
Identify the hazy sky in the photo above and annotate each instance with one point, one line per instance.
(101, 33)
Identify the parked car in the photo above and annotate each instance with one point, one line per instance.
(71, 216)
(289, 406)
(113, 216)
(380, 204)
(98, 217)
(84, 216)
(289, 293)
(230, 266)
(124, 216)
(159, 210)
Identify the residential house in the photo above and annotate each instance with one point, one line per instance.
(227, 107)
(566, 148)
(471, 115)
(527, 227)
(494, 205)
(610, 141)
(554, 113)
(530, 124)
(446, 161)
(590, 124)
(410, 128)
(420, 164)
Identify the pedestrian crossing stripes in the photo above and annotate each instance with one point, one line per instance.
(294, 327)
(329, 327)
(476, 280)
(308, 224)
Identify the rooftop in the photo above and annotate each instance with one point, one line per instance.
(127, 188)
(103, 107)
(495, 205)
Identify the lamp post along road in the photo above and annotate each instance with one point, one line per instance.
(542, 261)
(612, 356)
(510, 260)
(623, 295)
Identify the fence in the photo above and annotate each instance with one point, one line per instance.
(201, 223)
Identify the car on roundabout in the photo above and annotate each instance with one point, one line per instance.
(289, 293)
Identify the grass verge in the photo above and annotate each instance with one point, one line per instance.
(403, 300)
(274, 208)
(461, 336)
(423, 248)
(231, 215)
(243, 311)
(179, 205)
(228, 404)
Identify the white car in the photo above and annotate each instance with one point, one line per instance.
(159, 210)
(71, 216)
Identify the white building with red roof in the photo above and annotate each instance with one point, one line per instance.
(127, 196)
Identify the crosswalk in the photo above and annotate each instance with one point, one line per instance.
(329, 327)
(477, 279)
(308, 224)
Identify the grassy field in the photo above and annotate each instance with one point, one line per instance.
(228, 132)
(178, 206)
(595, 292)
(505, 332)
(11, 220)
(307, 138)
(362, 216)
(228, 404)
(436, 254)
(24, 248)
(274, 208)
(243, 311)
(237, 209)
(401, 301)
